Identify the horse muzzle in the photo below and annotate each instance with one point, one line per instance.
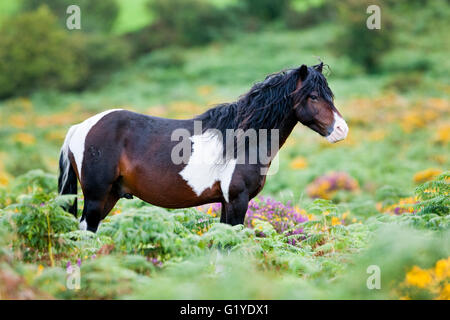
(340, 129)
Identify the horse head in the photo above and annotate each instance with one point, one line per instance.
(314, 107)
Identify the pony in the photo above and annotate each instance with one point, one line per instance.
(120, 154)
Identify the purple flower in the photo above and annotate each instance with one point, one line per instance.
(155, 262)
(281, 216)
(69, 267)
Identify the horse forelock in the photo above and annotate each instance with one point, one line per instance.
(315, 81)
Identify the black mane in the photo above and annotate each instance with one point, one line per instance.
(267, 103)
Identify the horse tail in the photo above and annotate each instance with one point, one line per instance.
(67, 180)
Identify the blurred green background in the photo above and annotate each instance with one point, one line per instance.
(177, 58)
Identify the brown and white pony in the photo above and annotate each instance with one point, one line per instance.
(119, 154)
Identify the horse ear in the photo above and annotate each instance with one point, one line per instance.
(319, 67)
(303, 71)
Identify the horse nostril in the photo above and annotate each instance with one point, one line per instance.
(330, 131)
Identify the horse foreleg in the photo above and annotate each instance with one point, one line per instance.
(223, 213)
(111, 201)
(92, 214)
(236, 209)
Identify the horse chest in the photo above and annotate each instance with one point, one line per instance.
(207, 165)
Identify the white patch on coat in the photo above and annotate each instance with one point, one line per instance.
(78, 138)
(83, 225)
(207, 165)
(340, 129)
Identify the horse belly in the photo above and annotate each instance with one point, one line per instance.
(160, 183)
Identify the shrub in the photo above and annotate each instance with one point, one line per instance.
(48, 57)
(35, 52)
(188, 22)
(404, 82)
(101, 54)
(38, 221)
(405, 60)
(301, 14)
(434, 195)
(362, 45)
(265, 10)
(151, 232)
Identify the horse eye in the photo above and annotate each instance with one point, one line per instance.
(313, 97)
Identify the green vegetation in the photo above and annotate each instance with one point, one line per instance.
(380, 197)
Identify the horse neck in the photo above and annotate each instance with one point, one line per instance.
(286, 128)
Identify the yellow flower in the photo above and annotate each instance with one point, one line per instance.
(17, 121)
(299, 163)
(4, 179)
(56, 136)
(379, 206)
(445, 293)
(377, 135)
(418, 277)
(298, 210)
(439, 158)
(443, 134)
(335, 221)
(434, 280)
(184, 108)
(442, 268)
(405, 205)
(40, 269)
(204, 90)
(426, 175)
(412, 121)
(24, 138)
(118, 211)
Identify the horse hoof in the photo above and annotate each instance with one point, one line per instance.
(127, 196)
